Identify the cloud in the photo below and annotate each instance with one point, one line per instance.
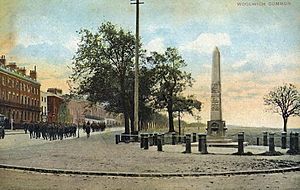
(156, 44)
(206, 42)
(263, 62)
(55, 53)
(72, 44)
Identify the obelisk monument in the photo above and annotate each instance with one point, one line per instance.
(216, 126)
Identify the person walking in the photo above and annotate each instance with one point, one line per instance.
(88, 129)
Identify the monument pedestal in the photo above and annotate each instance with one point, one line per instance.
(216, 129)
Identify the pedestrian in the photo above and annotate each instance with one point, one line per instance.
(88, 129)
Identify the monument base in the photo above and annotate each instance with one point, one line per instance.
(216, 129)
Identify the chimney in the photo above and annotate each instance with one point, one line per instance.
(2, 60)
(22, 70)
(55, 91)
(12, 65)
(32, 73)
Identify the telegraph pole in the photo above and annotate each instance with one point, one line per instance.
(136, 73)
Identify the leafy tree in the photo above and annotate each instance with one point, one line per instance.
(186, 104)
(102, 68)
(170, 81)
(64, 115)
(284, 100)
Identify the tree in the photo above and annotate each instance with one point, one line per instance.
(64, 115)
(186, 104)
(170, 80)
(284, 100)
(102, 68)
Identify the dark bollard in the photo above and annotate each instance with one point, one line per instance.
(199, 142)
(159, 143)
(283, 140)
(150, 139)
(188, 146)
(126, 138)
(117, 139)
(146, 142)
(194, 137)
(265, 138)
(292, 146)
(271, 143)
(241, 139)
(296, 142)
(179, 139)
(142, 140)
(162, 138)
(257, 141)
(155, 139)
(203, 145)
(173, 138)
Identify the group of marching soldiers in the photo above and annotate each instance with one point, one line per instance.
(51, 131)
(58, 131)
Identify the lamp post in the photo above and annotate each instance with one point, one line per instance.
(136, 73)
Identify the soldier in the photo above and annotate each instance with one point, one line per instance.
(30, 129)
(25, 127)
(51, 131)
(43, 131)
(88, 129)
(60, 131)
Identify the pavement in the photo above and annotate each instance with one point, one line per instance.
(149, 169)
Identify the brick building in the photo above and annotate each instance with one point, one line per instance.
(19, 93)
(54, 101)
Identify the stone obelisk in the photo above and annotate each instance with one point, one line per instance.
(216, 126)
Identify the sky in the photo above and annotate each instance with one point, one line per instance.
(259, 42)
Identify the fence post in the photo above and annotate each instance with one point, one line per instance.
(117, 139)
(283, 140)
(142, 140)
(173, 138)
(265, 138)
(241, 139)
(292, 148)
(162, 138)
(257, 141)
(203, 145)
(188, 148)
(296, 142)
(159, 143)
(150, 139)
(199, 142)
(155, 139)
(271, 143)
(146, 142)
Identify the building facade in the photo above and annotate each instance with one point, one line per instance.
(82, 111)
(19, 93)
(44, 106)
(54, 101)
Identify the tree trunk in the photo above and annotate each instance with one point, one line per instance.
(132, 123)
(179, 123)
(126, 118)
(170, 114)
(125, 107)
(285, 120)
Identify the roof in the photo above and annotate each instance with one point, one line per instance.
(17, 74)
